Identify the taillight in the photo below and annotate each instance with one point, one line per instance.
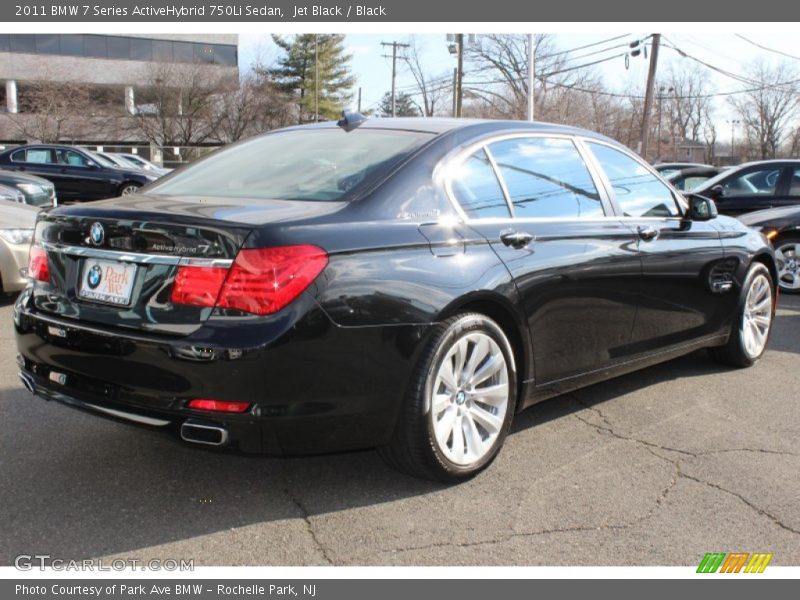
(218, 405)
(37, 264)
(261, 281)
(198, 285)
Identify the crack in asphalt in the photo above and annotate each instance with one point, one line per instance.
(305, 514)
(577, 528)
(649, 446)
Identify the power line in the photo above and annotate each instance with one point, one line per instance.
(757, 45)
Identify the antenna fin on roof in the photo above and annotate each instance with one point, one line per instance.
(350, 120)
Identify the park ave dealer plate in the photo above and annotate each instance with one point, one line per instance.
(107, 281)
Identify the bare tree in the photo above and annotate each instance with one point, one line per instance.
(767, 106)
(433, 90)
(178, 104)
(689, 102)
(52, 111)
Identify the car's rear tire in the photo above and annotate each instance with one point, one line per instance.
(129, 187)
(787, 261)
(753, 323)
(459, 404)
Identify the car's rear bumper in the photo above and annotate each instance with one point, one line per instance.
(314, 386)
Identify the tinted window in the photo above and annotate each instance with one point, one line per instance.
(326, 164)
(95, 46)
(119, 47)
(23, 43)
(162, 50)
(183, 51)
(477, 189)
(794, 184)
(141, 49)
(761, 182)
(72, 44)
(72, 158)
(225, 55)
(204, 53)
(38, 156)
(47, 43)
(546, 178)
(639, 193)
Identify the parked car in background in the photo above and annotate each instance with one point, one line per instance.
(26, 189)
(782, 228)
(689, 178)
(17, 221)
(115, 160)
(143, 163)
(667, 169)
(436, 276)
(75, 173)
(754, 186)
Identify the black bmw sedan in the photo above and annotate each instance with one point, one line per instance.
(77, 175)
(405, 284)
(754, 186)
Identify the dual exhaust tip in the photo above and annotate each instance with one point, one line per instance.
(196, 433)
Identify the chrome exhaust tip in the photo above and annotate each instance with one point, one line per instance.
(210, 435)
(27, 381)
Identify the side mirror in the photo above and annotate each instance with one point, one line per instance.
(717, 191)
(91, 165)
(701, 208)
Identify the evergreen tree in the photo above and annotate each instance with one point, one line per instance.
(306, 57)
(404, 105)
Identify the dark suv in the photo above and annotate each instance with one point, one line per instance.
(76, 174)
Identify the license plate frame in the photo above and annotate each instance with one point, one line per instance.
(107, 282)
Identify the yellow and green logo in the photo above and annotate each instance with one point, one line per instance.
(734, 562)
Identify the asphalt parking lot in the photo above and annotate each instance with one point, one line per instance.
(654, 468)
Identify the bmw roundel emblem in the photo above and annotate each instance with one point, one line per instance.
(96, 234)
(94, 277)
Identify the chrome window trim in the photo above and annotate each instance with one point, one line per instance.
(459, 155)
(501, 180)
(135, 257)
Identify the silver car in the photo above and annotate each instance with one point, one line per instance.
(16, 232)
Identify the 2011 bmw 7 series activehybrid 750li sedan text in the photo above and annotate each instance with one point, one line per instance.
(405, 284)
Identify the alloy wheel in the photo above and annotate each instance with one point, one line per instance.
(757, 316)
(787, 257)
(129, 189)
(469, 398)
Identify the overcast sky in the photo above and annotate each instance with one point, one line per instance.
(723, 50)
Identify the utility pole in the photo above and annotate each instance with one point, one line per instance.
(359, 99)
(648, 96)
(316, 79)
(734, 123)
(455, 87)
(460, 73)
(395, 46)
(531, 75)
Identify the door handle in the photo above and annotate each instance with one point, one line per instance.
(648, 234)
(515, 239)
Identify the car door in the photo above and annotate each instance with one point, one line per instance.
(753, 188)
(89, 180)
(574, 268)
(684, 269)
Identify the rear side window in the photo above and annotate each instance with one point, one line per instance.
(639, 193)
(36, 155)
(794, 184)
(477, 189)
(546, 178)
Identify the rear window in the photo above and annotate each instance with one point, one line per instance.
(315, 164)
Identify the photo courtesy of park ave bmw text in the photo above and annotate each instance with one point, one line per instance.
(330, 300)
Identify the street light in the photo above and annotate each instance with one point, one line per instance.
(661, 90)
(733, 123)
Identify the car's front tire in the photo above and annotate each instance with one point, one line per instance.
(460, 402)
(753, 323)
(128, 188)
